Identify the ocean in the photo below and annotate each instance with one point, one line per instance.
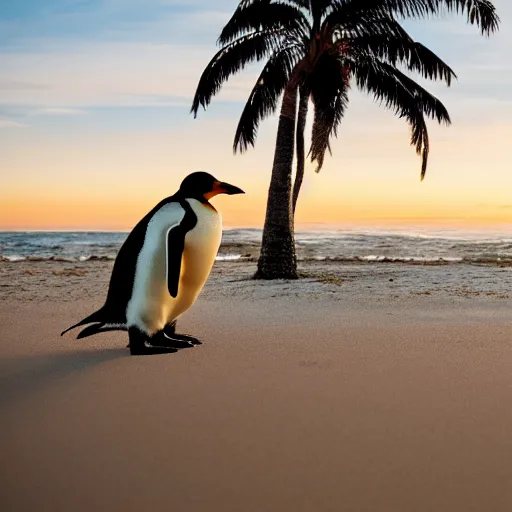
(427, 246)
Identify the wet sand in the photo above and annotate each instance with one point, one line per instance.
(356, 389)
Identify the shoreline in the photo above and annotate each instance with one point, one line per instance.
(244, 246)
(236, 258)
(362, 282)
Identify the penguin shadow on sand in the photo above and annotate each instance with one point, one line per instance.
(22, 376)
(19, 377)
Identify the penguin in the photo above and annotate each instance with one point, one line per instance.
(161, 268)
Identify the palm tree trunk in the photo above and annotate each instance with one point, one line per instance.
(301, 156)
(277, 258)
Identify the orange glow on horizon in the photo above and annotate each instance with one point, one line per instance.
(109, 182)
(121, 214)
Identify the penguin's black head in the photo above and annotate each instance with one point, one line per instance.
(203, 186)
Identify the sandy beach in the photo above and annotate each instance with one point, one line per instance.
(362, 387)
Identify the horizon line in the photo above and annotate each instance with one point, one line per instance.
(313, 226)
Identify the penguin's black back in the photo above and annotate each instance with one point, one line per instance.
(123, 274)
(112, 315)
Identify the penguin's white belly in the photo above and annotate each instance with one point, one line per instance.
(201, 247)
(152, 306)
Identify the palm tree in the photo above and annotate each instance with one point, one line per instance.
(316, 49)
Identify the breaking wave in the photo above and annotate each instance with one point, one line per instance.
(238, 245)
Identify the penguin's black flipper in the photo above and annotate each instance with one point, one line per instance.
(175, 246)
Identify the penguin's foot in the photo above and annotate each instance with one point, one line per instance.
(141, 345)
(170, 332)
(174, 341)
(148, 349)
(187, 337)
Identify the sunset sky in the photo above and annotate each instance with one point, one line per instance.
(95, 125)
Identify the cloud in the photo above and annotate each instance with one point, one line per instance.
(58, 111)
(20, 85)
(158, 100)
(9, 123)
(79, 74)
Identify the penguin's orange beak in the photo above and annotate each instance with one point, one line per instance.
(221, 187)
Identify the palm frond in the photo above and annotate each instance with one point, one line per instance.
(415, 56)
(300, 3)
(419, 138)
(395, 89)
(319, 9)
(261, 15)
(264, 96)
(329, 91)
(325, 125)
(478, 12)
(231, 59)
(430, 105)
(362, 23)
(383, 37)
(401, 94)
